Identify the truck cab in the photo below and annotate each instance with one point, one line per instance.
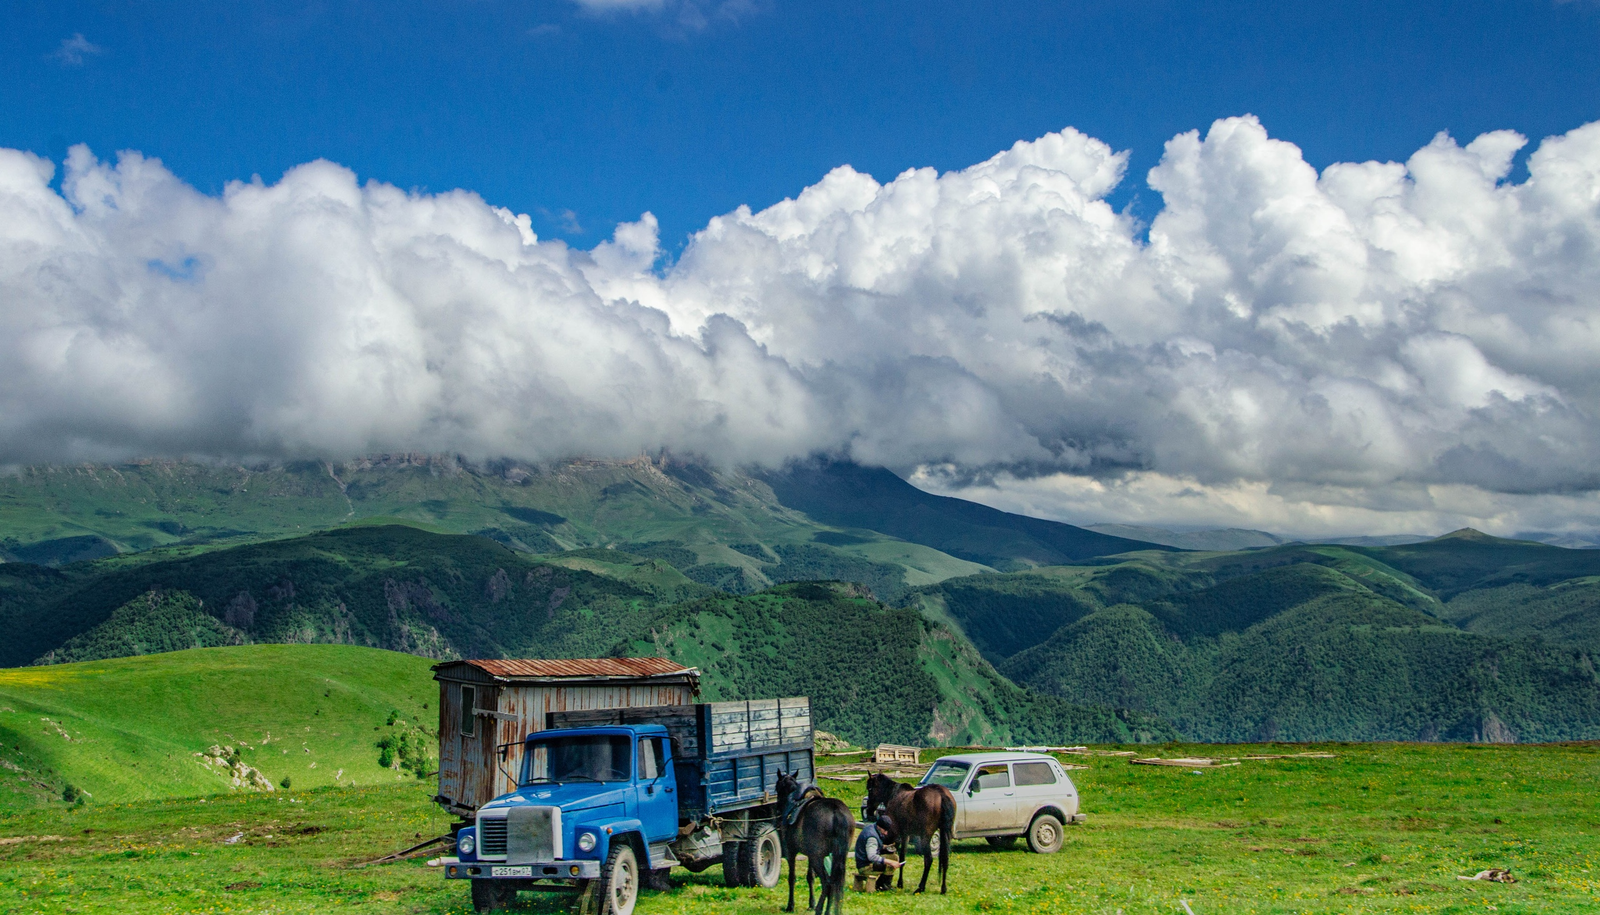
(591, 804)
(604, 798)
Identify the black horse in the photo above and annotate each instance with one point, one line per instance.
(921, 812)
(821, 829)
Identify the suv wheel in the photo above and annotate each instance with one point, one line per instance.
(618, 887)
(761, 858)
(1045, 834)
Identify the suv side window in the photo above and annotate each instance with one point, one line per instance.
(1034, 773)
(992, 776)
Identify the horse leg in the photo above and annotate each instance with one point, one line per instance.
(790, 855)
(902, 845)
(841, 861)
(927, 861)
(944, 857)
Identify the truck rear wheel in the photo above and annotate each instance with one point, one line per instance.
(761, 858)
(618, 887)
(732, 855)
(492, 896)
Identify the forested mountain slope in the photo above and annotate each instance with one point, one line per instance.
(1465, 637)
(876, 672)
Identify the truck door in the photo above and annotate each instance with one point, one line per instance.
(991, 802)
(657, 791)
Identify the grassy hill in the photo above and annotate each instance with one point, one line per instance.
(1465, 637)
(130, 728)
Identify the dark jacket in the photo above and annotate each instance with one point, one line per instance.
(869, 847)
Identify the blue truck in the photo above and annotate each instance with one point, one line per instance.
(610, 800)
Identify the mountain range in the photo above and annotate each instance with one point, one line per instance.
(908, 616)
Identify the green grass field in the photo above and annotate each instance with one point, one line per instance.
(128, 729)
(1377, 828)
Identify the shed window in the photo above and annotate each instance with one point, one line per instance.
(1034, 773)
(469, 718)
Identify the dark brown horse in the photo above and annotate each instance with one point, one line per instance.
(921, 812)
(821, 831)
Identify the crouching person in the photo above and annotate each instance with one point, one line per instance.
(876, 862)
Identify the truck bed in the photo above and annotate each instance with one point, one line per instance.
(726, 755)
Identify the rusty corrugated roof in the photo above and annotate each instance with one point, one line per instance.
(576, 668)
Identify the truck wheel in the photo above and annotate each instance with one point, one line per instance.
(491, 896)
(761, 858)
(1044, 834)
(618, 887)
(1001, 841)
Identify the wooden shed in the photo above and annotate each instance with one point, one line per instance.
(488, 708)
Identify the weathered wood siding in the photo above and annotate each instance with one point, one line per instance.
(757, 724)
(472, 770)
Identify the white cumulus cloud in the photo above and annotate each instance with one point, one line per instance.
(1382, 344)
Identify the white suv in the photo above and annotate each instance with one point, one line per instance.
(1000, 796)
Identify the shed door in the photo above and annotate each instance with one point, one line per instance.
(478, 733)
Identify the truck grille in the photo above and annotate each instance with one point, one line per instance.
(492, 837)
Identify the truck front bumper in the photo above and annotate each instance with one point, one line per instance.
(456, 869)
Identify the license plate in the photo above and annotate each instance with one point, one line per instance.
(511, 872)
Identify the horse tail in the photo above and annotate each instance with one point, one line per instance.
(841, 858)
(947, 826)
(947, 818)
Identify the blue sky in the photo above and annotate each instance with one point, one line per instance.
(546, 106)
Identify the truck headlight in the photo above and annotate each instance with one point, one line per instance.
(586, 841)
(466, 845)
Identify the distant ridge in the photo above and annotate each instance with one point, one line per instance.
(1235, 538)
(1232, 538)
(872, 498)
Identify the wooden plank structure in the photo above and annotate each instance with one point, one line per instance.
(487, 708)
(727, 755)
(888, 753)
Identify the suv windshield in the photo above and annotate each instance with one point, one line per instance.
(948, 774)
(586, 758)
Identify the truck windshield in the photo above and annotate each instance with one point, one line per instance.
(948, 774)
(585, 758)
